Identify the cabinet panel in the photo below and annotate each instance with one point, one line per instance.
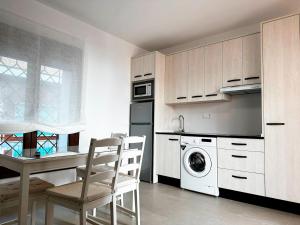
(149, 66)
(180, 70)
(168, 155)
(137, 68)
(241, 144)
(170, 88)
(251, 59)
(196, 74)
(213, 70)
(232, 62)
(281, 53)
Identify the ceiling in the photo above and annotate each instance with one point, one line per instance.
(157, 24)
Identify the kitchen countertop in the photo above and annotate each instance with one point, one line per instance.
(210, 134)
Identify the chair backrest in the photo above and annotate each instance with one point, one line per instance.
(94, 160)
(132, 156)
(116, 135)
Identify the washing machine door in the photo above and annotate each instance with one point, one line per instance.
(197, 162)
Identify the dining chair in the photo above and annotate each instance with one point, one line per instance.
(9, 196)
(89, 193)
(130, 170)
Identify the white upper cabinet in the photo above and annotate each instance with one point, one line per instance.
(149, 66)
(180, 70)
(232, 62)
(241, 61)
(251, 59)
(196, 75)
(143, 67)
(213, 70)
(137, 68)
(281, 107)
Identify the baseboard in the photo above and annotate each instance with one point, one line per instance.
(169, 181)
(286, 206)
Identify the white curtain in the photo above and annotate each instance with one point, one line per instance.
(40, 83)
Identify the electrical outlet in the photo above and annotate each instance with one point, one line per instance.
(206, 116)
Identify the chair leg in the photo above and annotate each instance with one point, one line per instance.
(133, 202)
(33, 213)
(122, 200)
(83, 216)
(95, 212)
(137, 206)
(113, 211)
(49, 213)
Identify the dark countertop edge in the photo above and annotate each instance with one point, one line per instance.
(212, 135)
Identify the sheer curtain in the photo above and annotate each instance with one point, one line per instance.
(40, 83)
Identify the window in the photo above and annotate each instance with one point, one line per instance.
(11, 144)
(40, 82)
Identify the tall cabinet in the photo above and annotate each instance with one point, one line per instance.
(281, 107)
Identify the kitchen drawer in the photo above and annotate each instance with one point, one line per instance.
(251, 183)
(242, 161)
(255, 145)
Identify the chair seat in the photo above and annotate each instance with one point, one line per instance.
(11, 190)
(123, 179)
(73, 191)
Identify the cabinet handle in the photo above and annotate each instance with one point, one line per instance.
(233, 80)
(238, 177)
(251, 78)
(181, 97)
(275, 124)
(210, 95)
(197, 96)
(147, 74)
(137, 76)
(173, 139)
(239, 156)
(238, 143)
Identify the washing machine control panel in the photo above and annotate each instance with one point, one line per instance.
(198, 141)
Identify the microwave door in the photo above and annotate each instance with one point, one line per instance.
(140, 90)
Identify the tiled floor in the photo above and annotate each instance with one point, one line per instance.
(162, 204)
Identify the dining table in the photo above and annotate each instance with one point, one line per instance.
(28, 165)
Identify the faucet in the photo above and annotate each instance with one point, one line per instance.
(181, 121)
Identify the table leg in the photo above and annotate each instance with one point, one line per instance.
(23, 197)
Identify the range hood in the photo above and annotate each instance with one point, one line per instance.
(243, 89)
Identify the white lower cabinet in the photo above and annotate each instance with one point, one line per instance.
(251, 183)
(241, 165)
(168, 155)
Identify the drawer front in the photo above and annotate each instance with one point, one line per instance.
(251, 183)
(255, 145)
(241, 160)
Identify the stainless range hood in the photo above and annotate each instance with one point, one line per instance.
(243, 89)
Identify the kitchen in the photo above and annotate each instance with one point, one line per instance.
(204, 96)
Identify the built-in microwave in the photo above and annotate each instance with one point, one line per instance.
(143, 90)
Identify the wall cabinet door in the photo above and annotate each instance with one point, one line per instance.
(168, 155)
(251, 59)
(213, 70)
(196, 75)
(232, 62)
(180, 70)
(149, 66)
(281, 69)
(137, 68)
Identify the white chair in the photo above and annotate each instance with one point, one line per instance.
(130, 170)
(89, 193)
(9, 196)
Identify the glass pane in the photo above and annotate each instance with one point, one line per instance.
(11, 144)
(197, 162)
(46, 143)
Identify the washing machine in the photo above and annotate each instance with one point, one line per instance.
(199, 168)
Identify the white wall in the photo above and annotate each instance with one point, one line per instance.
(106, 71)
